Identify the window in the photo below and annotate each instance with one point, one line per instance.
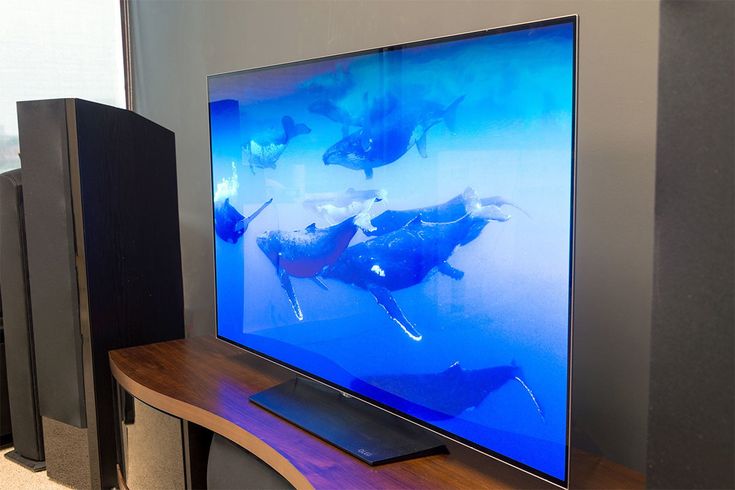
(57, 48)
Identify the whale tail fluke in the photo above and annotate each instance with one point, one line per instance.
(292, 129)
(450, 113)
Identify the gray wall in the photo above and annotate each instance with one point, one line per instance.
(177, 43)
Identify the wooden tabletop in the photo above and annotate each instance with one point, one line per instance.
(208, 382)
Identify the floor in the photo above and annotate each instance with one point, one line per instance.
(14, 477)
(153, 447)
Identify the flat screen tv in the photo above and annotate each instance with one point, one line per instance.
(397, 223)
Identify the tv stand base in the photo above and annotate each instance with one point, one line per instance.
(366, 432)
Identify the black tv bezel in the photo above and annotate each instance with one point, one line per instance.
(567, 19)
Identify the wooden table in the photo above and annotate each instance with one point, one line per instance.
(208, 382)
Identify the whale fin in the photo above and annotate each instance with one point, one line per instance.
(492, 213)
(385, 299)
(416, 221)
(250, 218)
(421, 146)
(450, 113)
(320, 283)
(471, 200)
(311, 228)
(536, 404)
(450, 271)
(288, 287)
(500, 201)
(368, 172)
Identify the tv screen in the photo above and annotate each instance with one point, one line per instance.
(397, 223)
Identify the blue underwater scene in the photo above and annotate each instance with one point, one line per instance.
(398, 223)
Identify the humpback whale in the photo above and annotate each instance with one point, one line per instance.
(385, 136)
(336, 206)
(451, 210)
(229, 224)
(304, 253)
(403, 258)
(443, 395)
(265, 151)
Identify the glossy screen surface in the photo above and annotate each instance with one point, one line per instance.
(397, 223)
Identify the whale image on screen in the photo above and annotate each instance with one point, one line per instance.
(397, 223)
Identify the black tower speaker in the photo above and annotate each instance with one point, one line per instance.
(6, 436)
(104, 256)
(20, 356)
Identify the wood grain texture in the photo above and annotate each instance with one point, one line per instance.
(208, 382)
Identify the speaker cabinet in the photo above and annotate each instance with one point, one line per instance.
(22, 392)
(6, 435)
(231, 467)
(104, 257)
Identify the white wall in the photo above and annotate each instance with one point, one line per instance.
(177, 43)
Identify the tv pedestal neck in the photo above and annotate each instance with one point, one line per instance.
(208, 382)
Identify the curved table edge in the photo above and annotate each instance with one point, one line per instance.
(215, 423)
